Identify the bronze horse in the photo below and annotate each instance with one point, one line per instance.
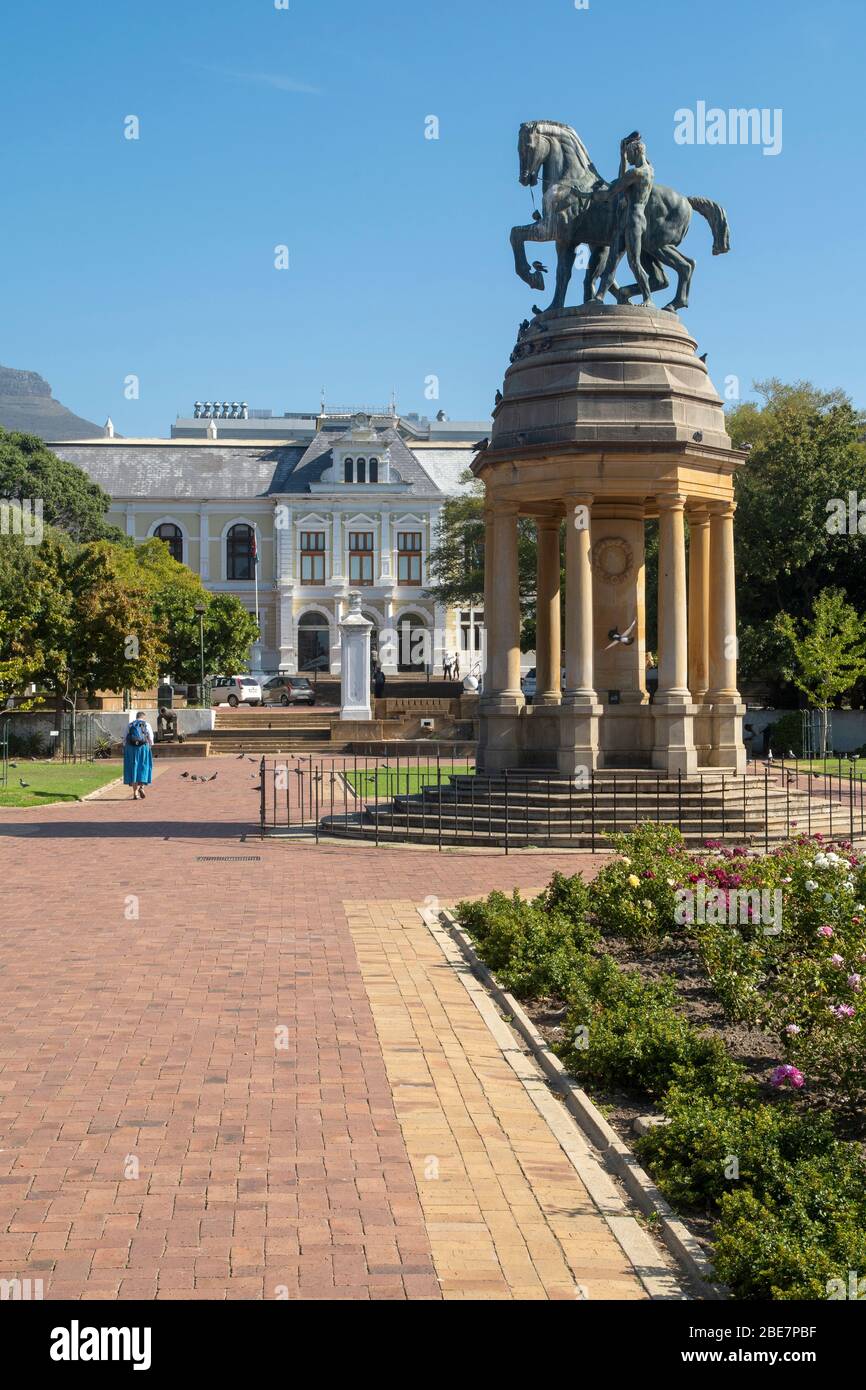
(571, 217)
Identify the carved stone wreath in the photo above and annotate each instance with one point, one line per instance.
(613, 560)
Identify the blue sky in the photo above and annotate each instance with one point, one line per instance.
(305, 127)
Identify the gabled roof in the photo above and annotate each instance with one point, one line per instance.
(319, 456)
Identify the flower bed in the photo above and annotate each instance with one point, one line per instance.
(725, 990)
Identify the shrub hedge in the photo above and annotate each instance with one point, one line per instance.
(788, 1195)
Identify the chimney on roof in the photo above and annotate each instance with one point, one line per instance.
(211, 429)
(109, 428)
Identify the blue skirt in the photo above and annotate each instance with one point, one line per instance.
(137, 764)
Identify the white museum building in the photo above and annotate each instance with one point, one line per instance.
(291, 512)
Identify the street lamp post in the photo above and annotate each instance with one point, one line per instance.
(201, 610)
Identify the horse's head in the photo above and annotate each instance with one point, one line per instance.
(533, 148)
(539, 139)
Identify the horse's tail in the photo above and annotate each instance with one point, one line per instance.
(717, 218)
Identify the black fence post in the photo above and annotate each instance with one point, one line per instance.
(439, 796)
(490, 807)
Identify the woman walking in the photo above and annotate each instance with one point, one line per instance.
(137, 756)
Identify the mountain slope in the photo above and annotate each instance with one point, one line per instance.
(26, 404)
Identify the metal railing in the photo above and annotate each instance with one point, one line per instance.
(78, 739)
(440, 798)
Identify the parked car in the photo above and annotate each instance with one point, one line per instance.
(235, 690)
(529, 683)
(288, 690)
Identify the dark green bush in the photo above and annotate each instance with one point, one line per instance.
(786, 735)
(570, 897)
(531, 950)
(763, 1251)
(717, 1144)
(625, 1031)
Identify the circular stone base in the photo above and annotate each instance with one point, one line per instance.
(607, 374)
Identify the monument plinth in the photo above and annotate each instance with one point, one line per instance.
(355, 632)
(608, 418)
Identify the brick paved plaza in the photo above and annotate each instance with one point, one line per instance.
(264, 1079)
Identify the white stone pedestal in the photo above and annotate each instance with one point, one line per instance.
(355, 662)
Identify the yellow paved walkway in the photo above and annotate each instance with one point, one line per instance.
(506, 1212)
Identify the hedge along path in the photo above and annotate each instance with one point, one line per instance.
(515, 1201)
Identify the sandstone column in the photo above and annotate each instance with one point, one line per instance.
(673, 711)
(727, 749)
(723, 606)
(487, 684)
(672, 617)
(699, 603)
(502, 703)
(579, 687)
(548, 643)
(580, 711)
(505, 595)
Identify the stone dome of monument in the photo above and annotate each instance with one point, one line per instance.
(605, 374)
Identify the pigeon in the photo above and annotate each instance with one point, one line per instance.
(211, 779)
(193, 778)
(184, 774)
(536, 310)
(536, 265)
(616, 636)
(703, 358)
(241, 757)
(22, 782)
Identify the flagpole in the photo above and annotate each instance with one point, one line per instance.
(256, 582)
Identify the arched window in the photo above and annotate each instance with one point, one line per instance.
(361, 474)
(239, 552)
(348, 474)
(314, 643)
(374, 470)
(173, 537)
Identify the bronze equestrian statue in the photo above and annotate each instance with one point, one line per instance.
(634, 216)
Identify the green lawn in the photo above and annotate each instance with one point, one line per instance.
(385, 783)
(838, 767)
(55, 781)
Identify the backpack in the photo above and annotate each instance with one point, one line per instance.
(137, 736)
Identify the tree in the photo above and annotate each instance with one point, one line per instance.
(79, 618)
(70, 500)
(35, 612)
(229, 632)
(828, 654)
(456, 564)
(116, 642)
(805, 450)
(229, 629)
